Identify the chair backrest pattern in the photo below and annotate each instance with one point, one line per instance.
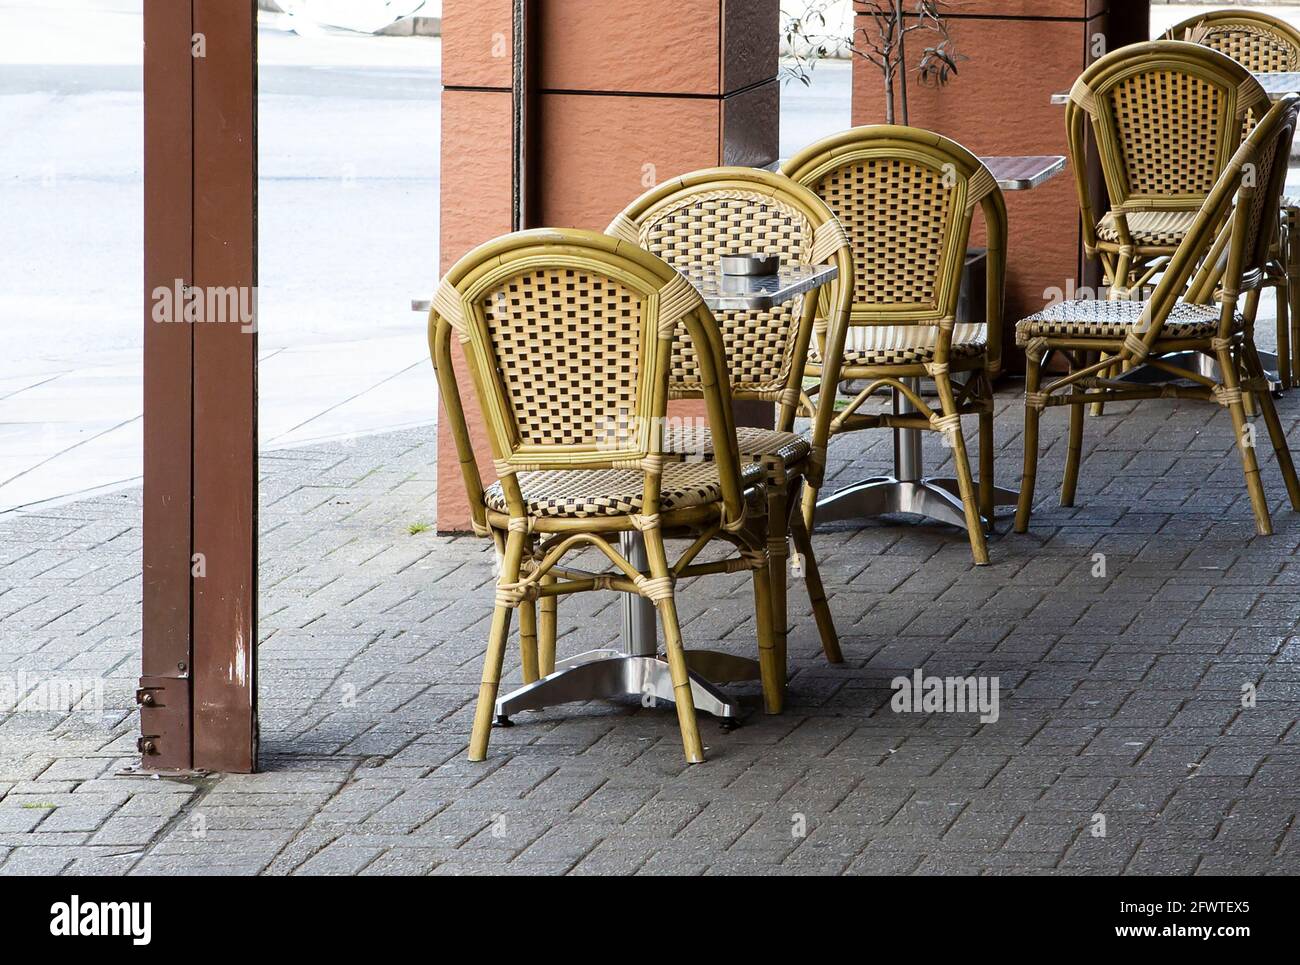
(1160, 116)
(567, 345)
(900, 218)
(692, 233)
(693, 221)
(1167, 115)
(1259, 42)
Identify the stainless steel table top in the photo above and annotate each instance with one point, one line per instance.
(1024, 173)
(741, 292)
(760, 292)
(1276, 84)
(1019, 173)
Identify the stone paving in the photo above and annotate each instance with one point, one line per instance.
(1124, 743)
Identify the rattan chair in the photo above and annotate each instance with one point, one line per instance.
(569, 338)
(691, 222)
(1264, 45)
(1181, 315)
(907, 198)
(1166, 116)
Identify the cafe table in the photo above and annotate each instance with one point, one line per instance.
(635, 669)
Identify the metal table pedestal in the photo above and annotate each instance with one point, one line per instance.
(1201, 364)
(906, 491)
(639, 672)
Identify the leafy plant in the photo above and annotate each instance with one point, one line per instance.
(882, 42)
(415, 529)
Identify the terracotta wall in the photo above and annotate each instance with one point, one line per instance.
(1019, 52)
(630, 97)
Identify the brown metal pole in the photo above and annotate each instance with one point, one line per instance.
(225, 388)
(526, 95)
(164, 693)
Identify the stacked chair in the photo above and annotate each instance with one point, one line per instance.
(1194, 308)
(1166, 117)
(1264, 45)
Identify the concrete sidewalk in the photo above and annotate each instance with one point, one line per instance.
(1123, 743)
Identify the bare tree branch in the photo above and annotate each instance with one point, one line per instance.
(882, 42)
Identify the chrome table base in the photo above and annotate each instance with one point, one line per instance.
(933, 498)
(639, 672)
(609, 674)
(1201, 364)
(907, 491)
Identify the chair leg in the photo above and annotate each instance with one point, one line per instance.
(546, 631)
(1250, 313)
(987, 477)
(771, 665)
(1284, 323)
(778, 555)
(1294, 291)
(495, 656)
(1275, 431)
(816, 591)
(528, 639)
(1122, 276)
(1099, 408)
(667, 606)
(1073, 452)
(1245, 445)
(965, 483)
(808, 507)
(1033, 377)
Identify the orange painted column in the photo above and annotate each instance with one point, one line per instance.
(632, 94)
(1019, 53)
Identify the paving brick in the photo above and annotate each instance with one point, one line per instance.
(1118, 696)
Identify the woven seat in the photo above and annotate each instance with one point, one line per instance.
(755, 445)
(907, 199)
(1264, 44)
(908, 344)
(569, 338)
(1090, 318)
(692, 222)
(1193, 307)
(585, 493)
(1151, 229)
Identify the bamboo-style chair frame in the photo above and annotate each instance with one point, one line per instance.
(1245, 195)
(907, 199)
(539, 424)
(691, 222)
(1263, 44)
(1156, 163)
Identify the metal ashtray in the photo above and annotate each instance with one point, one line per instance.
(750, 264)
